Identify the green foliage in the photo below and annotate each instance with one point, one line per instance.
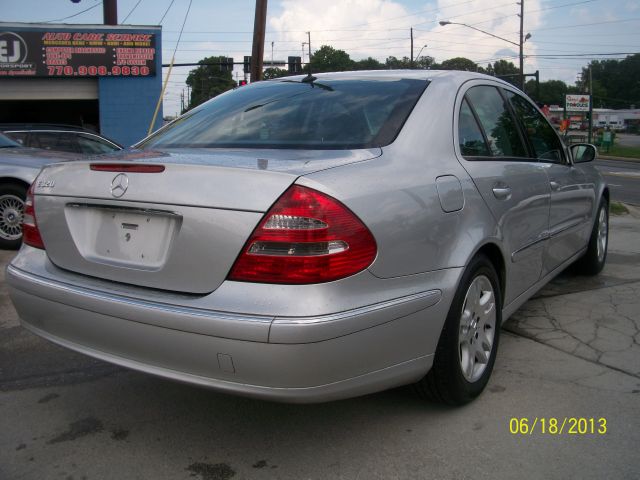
(274, 72)
(368, 64)
(615, 82)
(329, 59)
(552, 92)
(459, 63)
(397, 63)
(208, 80)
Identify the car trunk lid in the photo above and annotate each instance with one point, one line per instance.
(178, 228)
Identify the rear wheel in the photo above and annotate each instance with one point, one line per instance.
(467, 347)
(12, 197)
(595, 257)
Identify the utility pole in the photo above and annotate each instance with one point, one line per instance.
(271, 54)
(257, 52)
(309, 45)
(110, 12)
(411, 64)
(590, 105)
(521, 45)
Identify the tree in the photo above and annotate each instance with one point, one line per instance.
(459, 63)
(615, 82)
(425, 62)
(396, 63)
(552, 92)
(505, 70)
(208, 80)
(274, 72)
(368, 64)
(328, 59)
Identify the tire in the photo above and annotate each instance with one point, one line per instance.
(12, 198)
(592, 262)
(467, 347)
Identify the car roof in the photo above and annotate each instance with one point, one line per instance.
(456, 76)
(7, 127)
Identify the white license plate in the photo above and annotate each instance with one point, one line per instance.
(131, 238)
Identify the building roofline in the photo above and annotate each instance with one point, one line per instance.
(93, 26)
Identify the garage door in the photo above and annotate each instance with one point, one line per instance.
(49, 89)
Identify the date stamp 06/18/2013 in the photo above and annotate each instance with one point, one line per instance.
(558, 426)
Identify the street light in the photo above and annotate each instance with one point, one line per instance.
(519, 45)
(418, 56)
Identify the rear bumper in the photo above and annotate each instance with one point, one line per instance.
(295, 359)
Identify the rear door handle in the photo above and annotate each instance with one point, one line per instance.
(502, 193)
(554, 185)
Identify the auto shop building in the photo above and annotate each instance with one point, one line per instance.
(105, 77)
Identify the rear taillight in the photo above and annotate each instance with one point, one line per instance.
(30, 233)
(306, 237)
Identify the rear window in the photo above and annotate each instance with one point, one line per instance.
(325, 114)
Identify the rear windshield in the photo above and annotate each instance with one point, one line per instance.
(324, 114)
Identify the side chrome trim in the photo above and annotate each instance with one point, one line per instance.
(520, 252)
(254, 328)
(568, 226)
(221, 324)
(326, 327)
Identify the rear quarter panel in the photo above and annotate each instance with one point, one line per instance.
(396, 197)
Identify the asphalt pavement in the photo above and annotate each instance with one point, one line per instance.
(623, 177)
(571, 353)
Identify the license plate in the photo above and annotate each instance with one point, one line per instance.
(125, 237)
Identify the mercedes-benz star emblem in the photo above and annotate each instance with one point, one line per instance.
(119, 185)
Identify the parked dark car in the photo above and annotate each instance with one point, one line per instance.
(63, 138)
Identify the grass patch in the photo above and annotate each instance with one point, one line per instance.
(621, 151)
(617, 208)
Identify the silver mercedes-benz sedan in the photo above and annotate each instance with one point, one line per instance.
(314, 238)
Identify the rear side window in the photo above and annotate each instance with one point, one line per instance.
(324, 114)
(497, 122)
(59, 141)
(89, 144)
(19, 137)
(543, 138)
(472, 142)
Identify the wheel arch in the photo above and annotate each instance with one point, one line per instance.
(494, 253)
(14, 181)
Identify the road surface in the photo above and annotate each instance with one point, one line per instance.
(623, 178)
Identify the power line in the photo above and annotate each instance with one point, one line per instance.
(74, 15)
(166, 11)
(131, 11)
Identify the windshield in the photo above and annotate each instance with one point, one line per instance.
(324, 114)
(6, 142)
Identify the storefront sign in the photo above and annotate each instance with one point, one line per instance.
(577, 103)
(76, 52)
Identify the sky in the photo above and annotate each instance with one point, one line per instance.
(565, 34)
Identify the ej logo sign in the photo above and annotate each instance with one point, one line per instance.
(13, 48)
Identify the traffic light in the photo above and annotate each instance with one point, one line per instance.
(295, 64)
(242, 83)
(227, 65)
(247, 64)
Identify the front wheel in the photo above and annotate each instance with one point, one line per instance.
(12, 198)
(595, 257)
(467, 348)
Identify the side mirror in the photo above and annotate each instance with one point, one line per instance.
(583, 152)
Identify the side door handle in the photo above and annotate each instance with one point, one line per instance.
(554, 185)
(502, 193)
